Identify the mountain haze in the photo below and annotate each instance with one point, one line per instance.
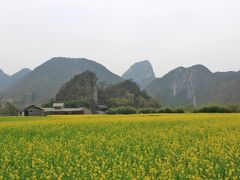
(44, 81)
(3, 79)
(196, 86)
(7, 81)
(141, 73)
(20, 75)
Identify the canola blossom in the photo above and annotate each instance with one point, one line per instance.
(166, 146)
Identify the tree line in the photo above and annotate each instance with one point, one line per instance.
(231, 108)
(8, 109)
(84, 90)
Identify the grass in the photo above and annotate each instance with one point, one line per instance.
(163, 146)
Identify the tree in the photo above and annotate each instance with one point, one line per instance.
(126, 93)
(49, 103)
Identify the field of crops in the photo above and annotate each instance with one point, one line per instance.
(120, 147)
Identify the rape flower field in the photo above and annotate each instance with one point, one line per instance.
(180, 146)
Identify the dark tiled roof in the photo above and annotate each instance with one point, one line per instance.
(33, 106)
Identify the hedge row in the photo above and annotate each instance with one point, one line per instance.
(131, 110)
(206, 109)
(213, 109)
(122, 110)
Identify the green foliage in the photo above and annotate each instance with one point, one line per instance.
(153, 103)
(126, 93)
(81, 90)
(213, 109)
(131, 110)
(78, 104)
(122, 110)
(189, 108)
(166, 110)
(81, 86)
(8, 109)
(179, 110)
(169, 110)
(147, 111)
(48, 104)
(234, 108)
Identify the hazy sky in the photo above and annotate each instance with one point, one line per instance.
(117, 33)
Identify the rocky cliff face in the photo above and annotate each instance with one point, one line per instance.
(141, 73)
(196, 86)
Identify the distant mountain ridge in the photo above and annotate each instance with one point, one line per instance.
(196, 86)
(44, 81)
(3, 78)
(141, 73)
(7, 81)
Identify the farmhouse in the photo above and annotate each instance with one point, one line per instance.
(66, 111)
(32, 111)
(57, 109)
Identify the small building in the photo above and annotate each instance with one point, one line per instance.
(56, 109)
(66, 111)
(58, 105)
(33, 111)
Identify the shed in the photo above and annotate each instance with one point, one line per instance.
(66, 111)
(33, 111)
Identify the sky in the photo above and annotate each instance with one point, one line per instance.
(117, 33)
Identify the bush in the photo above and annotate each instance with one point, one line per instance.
(111, 111)
(131, 110)
(48, 104)
(213, 109)
(234, 108)
(168, 110)
(179, 111)
(147, 111)
(122, 110)
(77, 104)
